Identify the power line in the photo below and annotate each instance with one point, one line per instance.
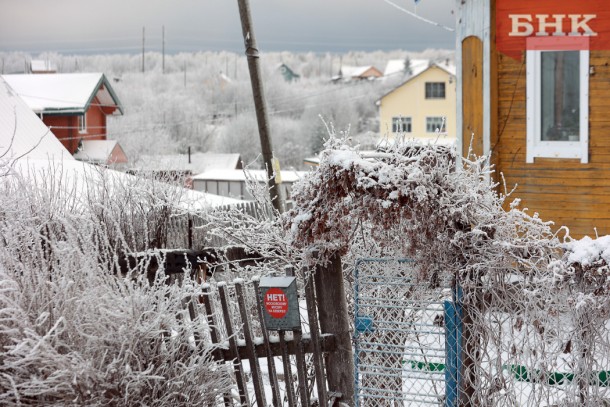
(412, 14)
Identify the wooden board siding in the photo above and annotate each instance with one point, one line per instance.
(65, 127)
(562, 190)
(96, 122)
(472, 95)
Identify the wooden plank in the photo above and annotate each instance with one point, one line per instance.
(312, 314)
(214, 333)
(237, 367)
(255, 368)
(287, 370)
(301, 368)
(494, 130)
(327, 343)
(300, 356)
(334, 319)
(193, 316)
(472, 96)
(275, 388)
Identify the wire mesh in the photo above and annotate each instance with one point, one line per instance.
(527, 343)
(399, 343)
(498, 340)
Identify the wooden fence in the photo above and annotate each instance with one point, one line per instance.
(192, 232)
(232, 314)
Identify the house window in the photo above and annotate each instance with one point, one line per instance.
(557, 98)
(435, 124)
(401, 125)
(435, 90)
(82, 123)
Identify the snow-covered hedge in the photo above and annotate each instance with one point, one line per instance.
(72, 331)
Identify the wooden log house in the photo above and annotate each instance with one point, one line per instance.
(533, 95)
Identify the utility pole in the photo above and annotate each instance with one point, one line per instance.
(185, 73)
(259, 102)
(163, 49)
(143, 43)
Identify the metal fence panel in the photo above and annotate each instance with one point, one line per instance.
(399, 335)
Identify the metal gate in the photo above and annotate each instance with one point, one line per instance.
(400, 342)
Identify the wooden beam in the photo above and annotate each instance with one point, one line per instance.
(327, 344)
(472, 96)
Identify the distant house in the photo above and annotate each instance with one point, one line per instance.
(287, 73)
(357, 73)
(42, 66)
(422, 106)
(232, 183)
(184, 166)
(101, 152)
(74, 106)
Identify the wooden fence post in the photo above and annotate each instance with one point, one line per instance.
(334, 319)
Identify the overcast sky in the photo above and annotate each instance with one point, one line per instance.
(78, 26)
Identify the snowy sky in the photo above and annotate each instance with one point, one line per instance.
(85, 26)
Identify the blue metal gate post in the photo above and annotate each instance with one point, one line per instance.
(453, 348)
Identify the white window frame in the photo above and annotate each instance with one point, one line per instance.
(440, 127)
(82, 123)
(400, 121)
(536, 147)
(435, 88)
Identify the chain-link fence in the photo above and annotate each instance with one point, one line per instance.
(504, 341)
(399, 342)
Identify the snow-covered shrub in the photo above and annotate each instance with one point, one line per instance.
(73, 331)
(415, 200)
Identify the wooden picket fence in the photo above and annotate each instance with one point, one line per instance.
(234, 325)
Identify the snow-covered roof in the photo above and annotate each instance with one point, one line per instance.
(101, 152)
(82, 180)
(355, 71)
(42, 65)
(199, 162)
(22, 133)
(63, 93)
(242, 175)
(311, 160)
(397, 66)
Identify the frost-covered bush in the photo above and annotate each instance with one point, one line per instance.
(73, 331)
(415, 200)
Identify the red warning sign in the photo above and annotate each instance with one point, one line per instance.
(276, 302)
